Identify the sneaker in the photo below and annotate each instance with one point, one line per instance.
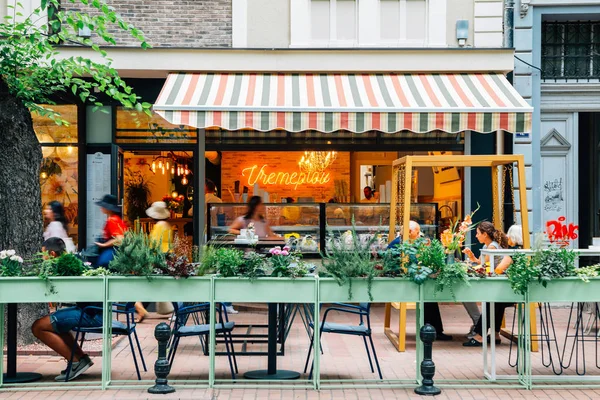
(231, 310)
(77, 369)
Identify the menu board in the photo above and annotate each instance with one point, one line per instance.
(98, 185)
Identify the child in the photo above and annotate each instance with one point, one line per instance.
(54, 330)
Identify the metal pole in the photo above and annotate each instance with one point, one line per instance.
(162, 333)
(509, 23)
(427, 335)
(200, 213)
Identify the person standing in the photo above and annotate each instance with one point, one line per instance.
(161, 236)
(113, 231)
(57, 226)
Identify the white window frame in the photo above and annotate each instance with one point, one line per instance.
(333, 41)
(367, 25)
(402, 40)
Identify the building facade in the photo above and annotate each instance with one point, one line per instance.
(556, 71)
(356, 45)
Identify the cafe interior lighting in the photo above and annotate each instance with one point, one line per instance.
(316, 161)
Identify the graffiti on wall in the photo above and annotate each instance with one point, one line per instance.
(554, 195)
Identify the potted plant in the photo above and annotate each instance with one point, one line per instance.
(137, 194)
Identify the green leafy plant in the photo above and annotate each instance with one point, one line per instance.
(227, 261)
(521, 272)
(97, 272)
(431, 253)
(585, 273)
(554, 263)
(137, 193)
(45, 266)
(351, 259)
(253, 266)
(137, 255)
(177, 266)
(10, 263)
(450, 276)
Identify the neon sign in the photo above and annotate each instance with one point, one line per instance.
(254, 174)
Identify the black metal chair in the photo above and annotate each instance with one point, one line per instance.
(118, 328)
(363, 310)
(201, 328)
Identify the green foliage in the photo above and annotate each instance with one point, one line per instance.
(253, 266)
(344, 261)
(137, 255)
(585, 273)
(521, 273)
(137, 193)
(34, 70)
(10, 264)
(228, 261)
(451, 275)
(44, 267)
(97, 272)
(431, 253)
(554, 263)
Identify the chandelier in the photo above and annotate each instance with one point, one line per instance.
(316, 161)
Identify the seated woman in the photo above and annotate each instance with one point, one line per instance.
(255, 214)
(54, 330)
(491, 238)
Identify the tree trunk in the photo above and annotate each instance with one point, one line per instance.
(21, 222)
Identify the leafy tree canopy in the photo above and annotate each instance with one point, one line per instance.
(33, 71)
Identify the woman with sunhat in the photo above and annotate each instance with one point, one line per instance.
(161, 236)
(113, 231)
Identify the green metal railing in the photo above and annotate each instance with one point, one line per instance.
(309, 290)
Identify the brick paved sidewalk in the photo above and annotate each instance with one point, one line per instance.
(344, 358)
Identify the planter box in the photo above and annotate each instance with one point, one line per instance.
(66, 289)
(266, 290)
(384, 290)
(486, 289)
(570, 289)
(158, 288)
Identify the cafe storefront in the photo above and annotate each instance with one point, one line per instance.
(254, 129)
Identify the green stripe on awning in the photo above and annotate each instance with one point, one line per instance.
(176, 89)
(206, 89)
(487, 122)
(415, 92)
(424, 122)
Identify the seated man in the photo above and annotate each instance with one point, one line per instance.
(54, 330)
(431, 310)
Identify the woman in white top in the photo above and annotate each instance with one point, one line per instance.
(55, 213)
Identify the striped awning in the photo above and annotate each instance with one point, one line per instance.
(355, 102)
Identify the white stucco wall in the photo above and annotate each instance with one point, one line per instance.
(268, 24)
(456, 10)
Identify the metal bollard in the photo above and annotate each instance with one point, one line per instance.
(427, 365)
(162, 333)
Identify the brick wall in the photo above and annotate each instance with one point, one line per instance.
(173, 23)
(233, 164)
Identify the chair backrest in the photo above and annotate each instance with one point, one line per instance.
(182, 314)
(365, 306)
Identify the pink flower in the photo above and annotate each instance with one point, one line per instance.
(285, 252)
(287, 248)
(275, 250)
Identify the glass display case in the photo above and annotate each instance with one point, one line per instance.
(299, 223)
(375, 217)
(307, 226)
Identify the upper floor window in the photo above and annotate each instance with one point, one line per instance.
(403, 21)
(334, 22)
(571, 49)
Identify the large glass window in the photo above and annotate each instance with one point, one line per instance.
(59, 171)
(570, 49)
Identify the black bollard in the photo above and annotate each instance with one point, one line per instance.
(427, 365)
(162, 333)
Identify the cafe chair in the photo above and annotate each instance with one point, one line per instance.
(363, 329)
(199, 327)
(119, 328)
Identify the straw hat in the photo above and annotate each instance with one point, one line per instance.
(158, 210)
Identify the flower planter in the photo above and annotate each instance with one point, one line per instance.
(570, 289)
(486, 289)
(384, 290)
(66, 289)
(158, 288)
(266, 290)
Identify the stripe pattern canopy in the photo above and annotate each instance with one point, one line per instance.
(355, 102)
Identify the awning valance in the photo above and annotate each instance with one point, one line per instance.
(355, 102)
